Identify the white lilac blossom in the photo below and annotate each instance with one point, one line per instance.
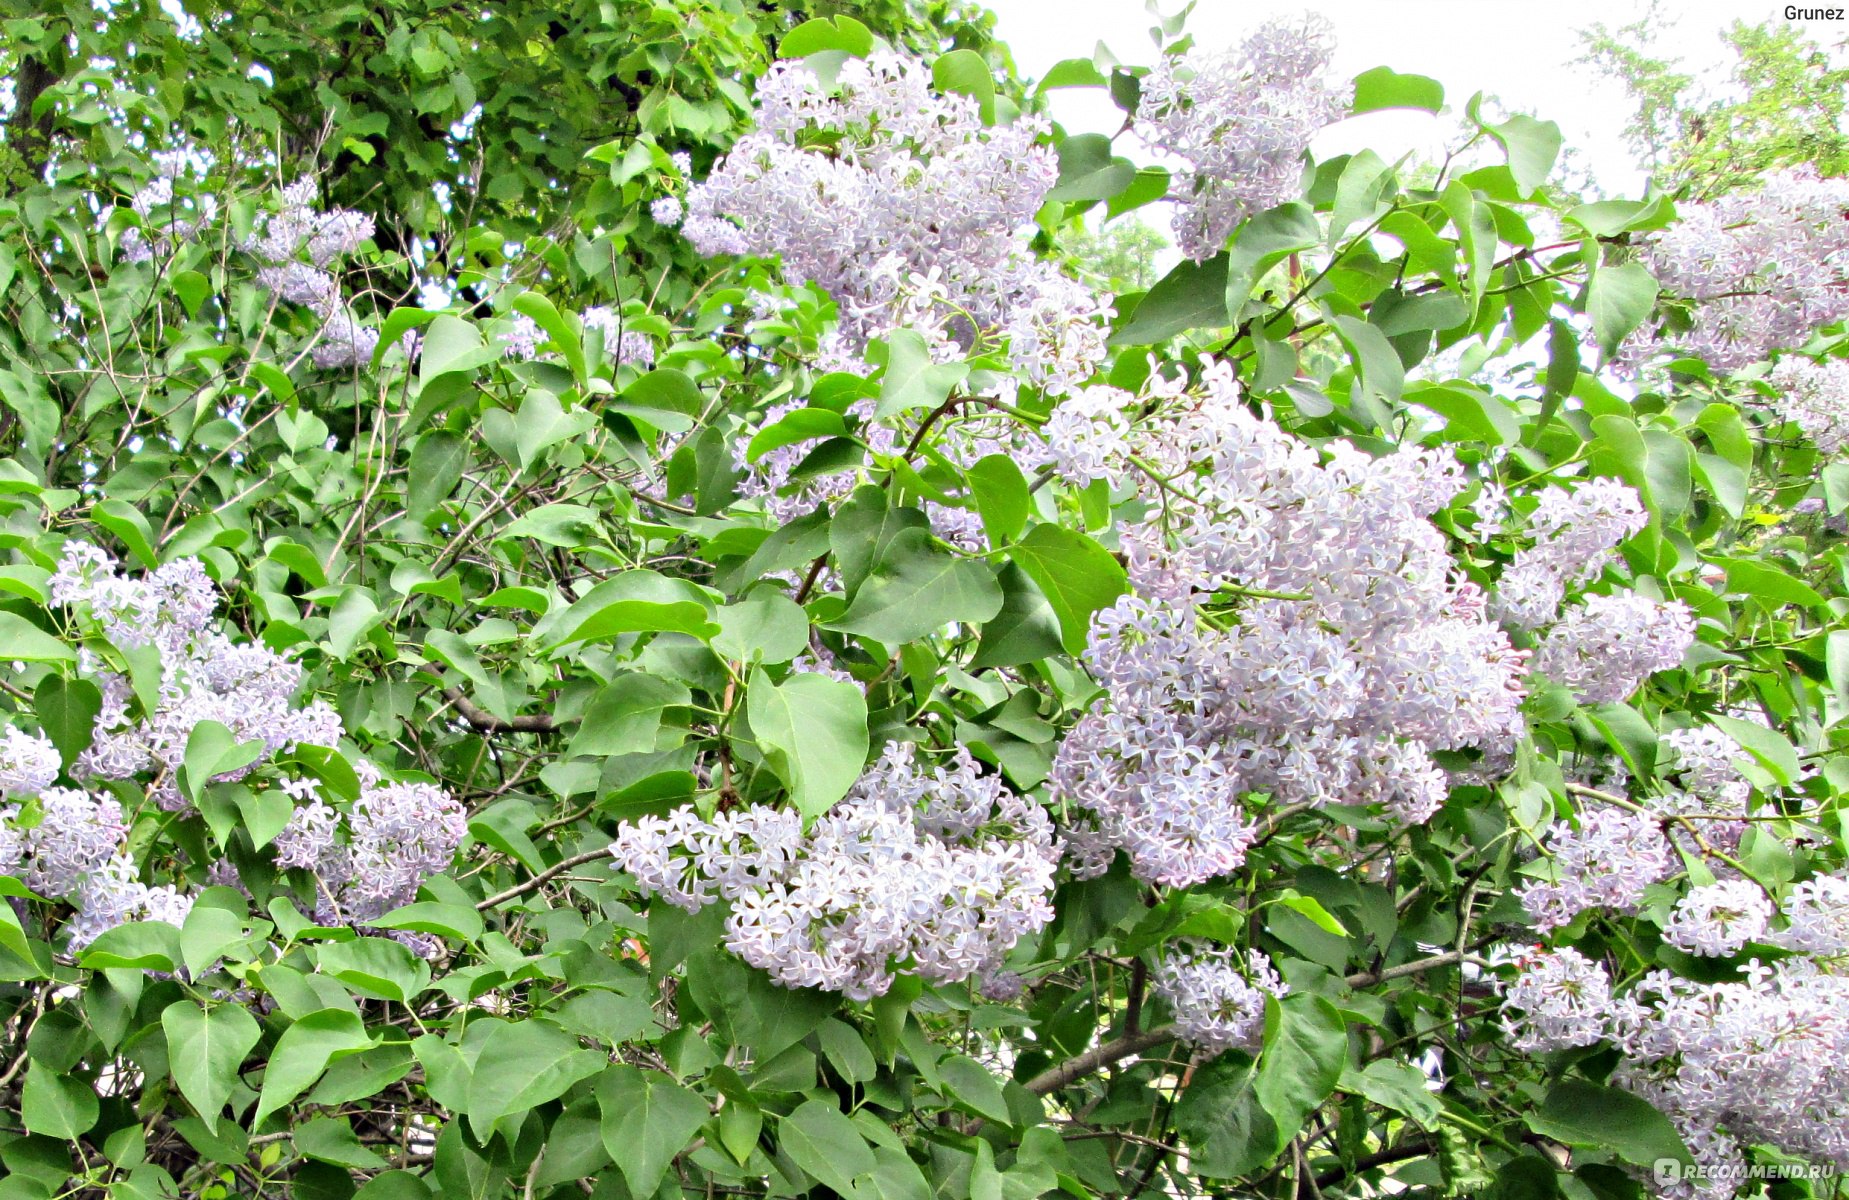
(1295, 627)
(1606, 862)
(1240, 121)
(521, 337)
(1817, 917)
(1814, 396)
(77, 833)
(909, 213)
(1760, 1061)
(206, 677)
(1763, 269)
(1218, 999)
(1575, 534)
(942, 865)
(1603, 647)
(626, 346)
(1720, 918)
(666, 210)
(1564, 1000)
(29, 763)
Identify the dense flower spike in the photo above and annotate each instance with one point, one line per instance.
(1764, 269)
(1575, 534)
(1240, 121)
(939, 864)
(248, 689)
(1218, 1000)
(1295, 628)
(1814, 395)
(1719, 919)
(907, 209)
(1605, 863)
(1564, 1000)
(1605, 646)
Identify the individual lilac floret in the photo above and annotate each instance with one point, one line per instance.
(1218, 999)
(1719, 919)
(1240, 121)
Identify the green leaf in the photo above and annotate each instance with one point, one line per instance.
(207, 933)
(1263, 242)
(353, 616)
(67, 710)
(812, 731)
(1382, 374)
(915, 590)
(1229, 1133)
(146, 945)
(1531, 146)
(1397, 1085)
(624, 717)
(399, 322)
(524, 1064)
(436, 467)
(303, 1052)
(127, 522)
(647, 1120)
(213, 750)
(377, 967)
(1190, 296)
(1769, 747)
(1088, 171)
(57, 1105)
(1383, 87)
(667, 399)
(911, 380)
(969, 1084)
(826, 1144)
(546, 315)
(1618, 300)
(1768, 583)
(1629, 735)
(636, 602)
(459, 921)
(1576, 1113)
(1075, 574)
(1002, 499)
(22, 641)
(1025, 630)
(205, 1048)
(1306, 1045)
(765, 627)
(823, 33)
(451, 344)
(966, 73)
(332, 1140)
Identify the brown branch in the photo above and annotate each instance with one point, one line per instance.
(543, 878)
(487, 722)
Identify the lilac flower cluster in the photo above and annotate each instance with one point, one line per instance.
(1719, 919)
(1219, 999)
(1762, 1061)
(1764, 268)
(1240, 120)
(171, 216)
(625, 346)
(1815, 397)
(1295, 627)
(907, 209)
(205, 676)
(1606, 645)
(939, 865)
(298, 229)
(1575, 534)
(374, 857)
(1606, 862)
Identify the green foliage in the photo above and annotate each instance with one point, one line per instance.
(539, 584)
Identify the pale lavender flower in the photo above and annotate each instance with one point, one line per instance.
(1218, 998)
(1719, 918)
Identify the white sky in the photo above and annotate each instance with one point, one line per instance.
(1517, 50)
